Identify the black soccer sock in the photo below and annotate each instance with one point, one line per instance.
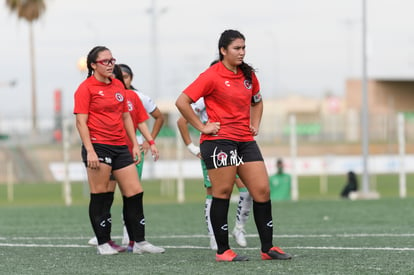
(126, 223)
(262, 212)
(100, 215)
(134, 217)
(108, 202)
(218, 216)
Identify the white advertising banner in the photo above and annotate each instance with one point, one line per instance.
(320, 165)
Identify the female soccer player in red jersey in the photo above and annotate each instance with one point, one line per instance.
(103, 122)
(234, 106)
(139, 116)
(245, 200)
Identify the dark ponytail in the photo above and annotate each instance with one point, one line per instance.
(126, 69)
(117, 72)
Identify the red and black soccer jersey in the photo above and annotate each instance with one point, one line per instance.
(136, 108)
(227, 97)
(137, 111)
(104, 104)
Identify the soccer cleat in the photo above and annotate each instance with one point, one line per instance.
(238, 234)
(213, 243)
(106, 249)
(93, 241)
(275, 253)
(230, 256)
(146, 247)
(130, 246)
(125, 237)
(117, 247)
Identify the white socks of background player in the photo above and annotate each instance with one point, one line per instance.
(243, 208)
(207, 207)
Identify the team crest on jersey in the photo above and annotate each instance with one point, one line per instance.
(130, 106)
(247, 84)
(119, 97)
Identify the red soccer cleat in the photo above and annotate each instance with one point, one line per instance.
(230, 256)
(275, 253)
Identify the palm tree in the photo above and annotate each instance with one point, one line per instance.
(29, 10)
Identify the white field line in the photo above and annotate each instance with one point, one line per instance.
(208, 248)
(360, 235)
(351, 248)
(3, 242)
(42, 245)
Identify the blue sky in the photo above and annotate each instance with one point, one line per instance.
(306, 47)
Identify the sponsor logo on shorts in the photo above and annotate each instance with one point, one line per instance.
(221, 159)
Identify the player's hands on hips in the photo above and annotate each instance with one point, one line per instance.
(255, 131)
(211, 128)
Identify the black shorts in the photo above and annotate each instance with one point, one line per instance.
(116, 156)
(223, 152)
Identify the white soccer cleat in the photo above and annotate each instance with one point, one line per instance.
(106, 249)
(238, 234)
(146, 247)
(213, 243)
(125, 237)
(93, 241)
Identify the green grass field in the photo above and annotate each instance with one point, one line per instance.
(157, 191)
(326, 235)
